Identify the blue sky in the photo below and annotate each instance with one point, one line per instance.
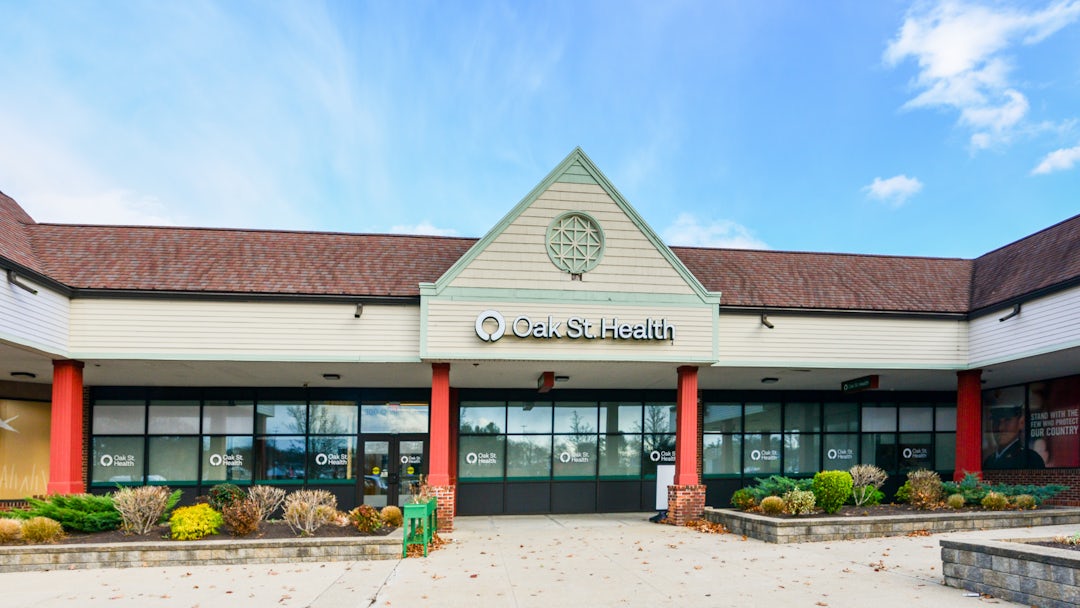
(910, 128)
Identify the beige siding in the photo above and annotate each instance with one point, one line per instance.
(244, 330)
(517, 258)
(39, 321)
(832, 341)
(452, 334)
(1043, 325)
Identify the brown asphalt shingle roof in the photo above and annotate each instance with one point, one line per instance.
(207, 260)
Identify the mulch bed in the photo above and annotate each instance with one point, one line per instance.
(874, 511)
(272, 530)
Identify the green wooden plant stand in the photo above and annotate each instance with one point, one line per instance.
(419, 525)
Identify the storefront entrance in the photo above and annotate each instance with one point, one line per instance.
(392, 467)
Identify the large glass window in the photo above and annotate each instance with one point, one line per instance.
(333, 418)
(528, 457)
(841, 451)
(762, 417)
(332, 459)
(802, 417)
(723, 418)
(404, 417)
(722, 455)
(916, 418)
(620, 417)
(880, 449)
(574, 456)
(173, 460)
(281, 459)
(227, 459)
(481, 457)
(119, 418)
(802, 453)
(575, 418)
(761, 454)
(878, 419)
(117, 460)
(228, 418)
(841, 417)
(174, 418)
(916, 451)
(482, 418)
(528, 417)
(281, 418)
(620, 456)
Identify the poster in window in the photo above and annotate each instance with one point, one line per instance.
(1055, 418)
(1006, 444)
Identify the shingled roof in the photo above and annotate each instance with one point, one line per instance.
(267, 262)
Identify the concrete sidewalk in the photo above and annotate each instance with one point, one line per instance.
(544, 561)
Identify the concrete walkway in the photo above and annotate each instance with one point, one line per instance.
(548, 561)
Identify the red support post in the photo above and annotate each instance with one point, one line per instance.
(439, 444)
(686, 435)
(66, 433)
(968, 423)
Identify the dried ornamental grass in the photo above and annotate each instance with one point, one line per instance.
(392, 516)
(268, 498)
(41, 530)
(308, 510)
(10, 531)
(141, 508)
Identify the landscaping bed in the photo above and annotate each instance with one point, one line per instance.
(1034, 572)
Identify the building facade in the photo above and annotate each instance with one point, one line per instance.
(554, 365)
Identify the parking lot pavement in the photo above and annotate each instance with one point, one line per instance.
(548, 560)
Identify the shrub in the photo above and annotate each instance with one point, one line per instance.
(955, 501)
(267, 498)
(831, 489)
(903, 493)
(995, 501)
(308, 510)
(75, 512)
(1072, 540)
(743, 499)
(42, 530)
(10, 531)
(926, 490)
(224, 494)
(140, 508)
(365, 518)
(970, 487)
(391, 515)
(799, 502)
(1023, 501)
(866, 480)
(772, 505)
(776, 485)
(242, 516)
(194, 522)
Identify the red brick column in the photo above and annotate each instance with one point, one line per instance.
(968, 423)
(66, 434)
(438, 478)
(686, 497)
(685, 504)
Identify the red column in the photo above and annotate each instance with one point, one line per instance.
(968, 423)
(439, 471)
(686, 454)
(66, 434)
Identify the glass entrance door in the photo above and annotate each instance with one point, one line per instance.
(393, 465)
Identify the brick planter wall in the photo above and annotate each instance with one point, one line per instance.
(446, 495)
(1027, 574)
(685, 503)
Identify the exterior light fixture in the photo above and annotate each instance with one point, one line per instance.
(765, 321)
(359, 310)
(1012, 313)
(562, 378)
(770, 380)
(23, 375)
(331, 376)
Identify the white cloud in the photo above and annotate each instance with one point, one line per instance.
(688, 230)
(1058, 160)
(424, 228)
(960, 49)
(895, 191)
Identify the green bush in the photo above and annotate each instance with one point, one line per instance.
(365, 518)
(194, 522)
(243, 516)
(392, 516)
(799, 502)
(224, 494)
(75, 512)
(772, 505)
(1023, 501)
(776, 485)
(955, 501)
(10, 531)
(970, 487)
(743, 499)
(903, 493)
(831, 489)
(41, 530)
(975, 490)
(995, 501)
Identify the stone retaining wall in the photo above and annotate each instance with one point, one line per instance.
(1011, 570)
(24, 558)
(796, 530)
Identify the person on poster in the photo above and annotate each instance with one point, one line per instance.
(1009, 452)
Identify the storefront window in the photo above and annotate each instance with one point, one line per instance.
(173, 460)
(761, 454)
(528, 457)
(878, 419)
(723, 418)
(281, 418)
(333, 418)
(174, 418)
(722, 455)
(657, 448)
(404, 417)
(620, 417)
(916, 418)
(528, 417)
(945, 419)
(480, 458)
(915, 452)
(620, 455)
(945, 451)
(841, 417)
(281, 458)
(762, 417)
(574, 418)
(574, 456)
(802, 417)
(801, 453)
(331, 459)
(482, 418)
(880, 449)
(224, 418)
(841, 451)
(119, 418)
(227, 459)
(660, 418)
(117, 460)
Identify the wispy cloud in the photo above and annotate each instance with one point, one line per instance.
(962, 50)
(1058, 160)
(425, 228)
(689, 230)
(895, 191)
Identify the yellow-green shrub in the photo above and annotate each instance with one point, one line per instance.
(392, 516)
(955, 501)
(1023, 501)
(832, 489)
(10, 531)
(995, 501)
(41, 530)
(772, 505)
(194, 522)
(799, 502)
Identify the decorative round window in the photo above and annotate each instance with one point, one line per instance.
(575, 242)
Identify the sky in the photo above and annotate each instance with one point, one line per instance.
(937, 128)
